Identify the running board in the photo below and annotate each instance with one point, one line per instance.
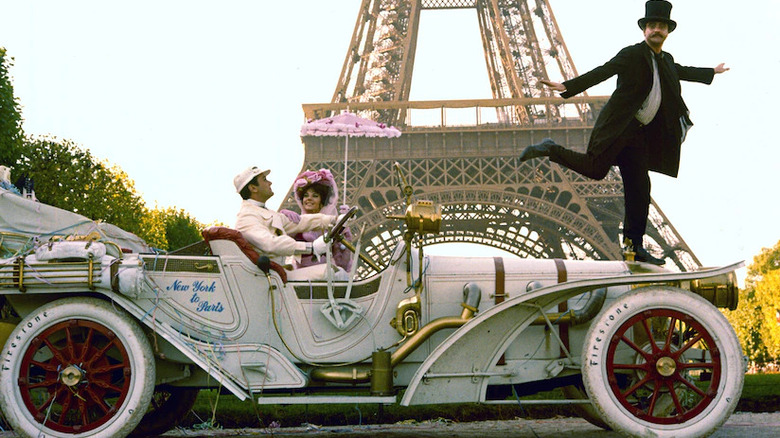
(583, 401)
(326, 399)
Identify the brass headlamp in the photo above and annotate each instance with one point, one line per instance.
(422, 217)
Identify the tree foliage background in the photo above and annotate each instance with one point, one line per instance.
(71, 178)
(179, 229)
(11, 133)
(755, 320)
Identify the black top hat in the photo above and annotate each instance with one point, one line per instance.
(658, 10)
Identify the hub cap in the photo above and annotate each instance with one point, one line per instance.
(71, 376)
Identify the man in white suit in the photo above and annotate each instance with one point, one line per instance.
(269, 231)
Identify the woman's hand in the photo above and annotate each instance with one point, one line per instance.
(293, 216)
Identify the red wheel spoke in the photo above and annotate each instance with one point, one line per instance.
(42, 408)
(66, 406)
(669, 334)
(638, 385)
(99, 401)
(84, 411)
(43, 384)
(688, 345)
(106, 385)
(69, 344)
(56, 353)
(690, 385)
(636, 348)
(696, 365)
(653, 399)
(100, 353)
(46, 366)
(649, 333)
(677, 405)
(106, 369)
(85, 347)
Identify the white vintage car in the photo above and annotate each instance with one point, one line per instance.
(105, 326)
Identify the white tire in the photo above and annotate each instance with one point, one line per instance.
(76, 367)
(685, 383)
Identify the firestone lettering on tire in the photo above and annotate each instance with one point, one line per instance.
(593, 360)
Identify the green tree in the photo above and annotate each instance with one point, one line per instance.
(152, 230)
(68, 177)
(754, 320)
(179, 229)
(766, 261)
(11, 134)
(747, 322)
(768, 297)
(71, 178)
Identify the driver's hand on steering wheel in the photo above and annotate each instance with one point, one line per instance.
(340, 224)
(318, 247)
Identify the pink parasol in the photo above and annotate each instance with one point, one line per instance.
(347, 125)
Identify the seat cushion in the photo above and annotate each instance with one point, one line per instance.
(225, 233)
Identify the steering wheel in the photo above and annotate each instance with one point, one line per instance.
(339, 227)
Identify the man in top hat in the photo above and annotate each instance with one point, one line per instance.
(642, 125)
(269, 231)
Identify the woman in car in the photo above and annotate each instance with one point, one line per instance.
(316, 192)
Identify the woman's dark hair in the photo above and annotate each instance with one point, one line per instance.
(321, 189)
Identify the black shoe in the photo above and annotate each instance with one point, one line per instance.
(643, 256)
(538, 150)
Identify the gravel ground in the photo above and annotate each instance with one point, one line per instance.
(739, 425)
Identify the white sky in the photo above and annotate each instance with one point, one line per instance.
(184, 94)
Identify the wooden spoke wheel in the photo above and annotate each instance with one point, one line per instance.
(77, 367)
(663, 359)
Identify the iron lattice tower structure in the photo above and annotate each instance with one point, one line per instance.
(470, 167)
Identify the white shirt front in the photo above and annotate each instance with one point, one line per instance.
(649, 108)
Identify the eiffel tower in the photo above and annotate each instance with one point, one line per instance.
(462, 154)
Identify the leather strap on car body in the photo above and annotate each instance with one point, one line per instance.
(500, 292)
(563, 329)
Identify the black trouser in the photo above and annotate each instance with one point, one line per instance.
(631, 154)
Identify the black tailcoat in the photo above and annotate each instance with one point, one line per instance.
(634, 67)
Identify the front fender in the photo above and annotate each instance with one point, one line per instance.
(459, 369)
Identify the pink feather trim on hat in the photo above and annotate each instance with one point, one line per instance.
(311, 177)
(323, 177)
